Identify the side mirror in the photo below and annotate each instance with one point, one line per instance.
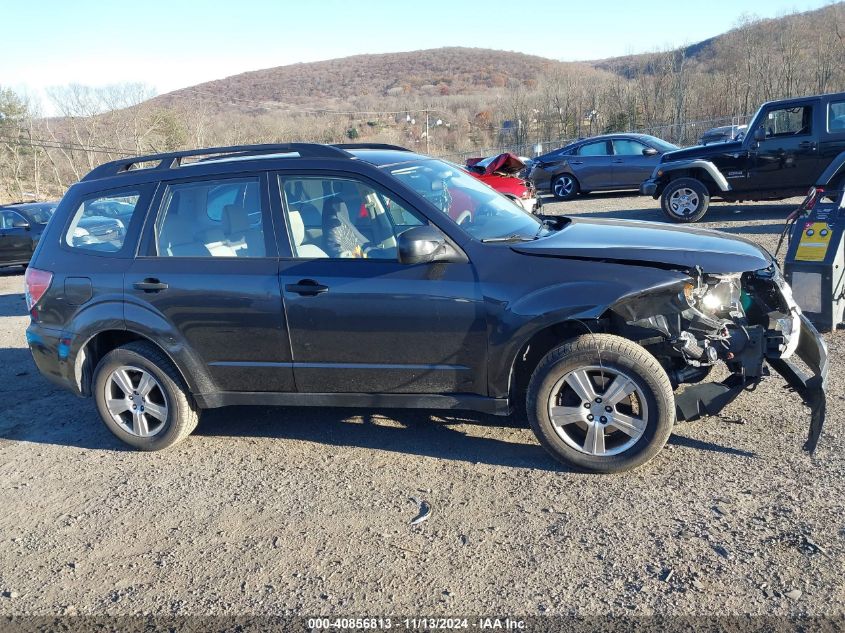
(426, 244)
(649, 151)
(759, 134)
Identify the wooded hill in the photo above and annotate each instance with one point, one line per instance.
(474, 100)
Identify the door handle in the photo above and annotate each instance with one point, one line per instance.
(618, 160)
(150, 285)
(577, 162)
(807, 144)
(306, 288)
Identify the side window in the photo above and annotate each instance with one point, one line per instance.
(627, 147)
(796, 121)
(8, 219)
(836, 117)
(214, 218)
(593, 149)
(343, 218)
(100, 222)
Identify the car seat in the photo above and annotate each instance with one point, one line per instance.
(340, 237)
(297, 229)
(246, 240)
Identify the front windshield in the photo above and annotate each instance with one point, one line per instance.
(478, 209)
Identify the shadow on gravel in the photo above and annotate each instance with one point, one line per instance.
(701, 445)
(12, 306)
(421, 432)
(13, 271)
(774, 228)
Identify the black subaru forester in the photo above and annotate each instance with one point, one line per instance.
(368, 275)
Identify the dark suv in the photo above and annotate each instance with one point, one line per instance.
(323, 275)
(788, 144)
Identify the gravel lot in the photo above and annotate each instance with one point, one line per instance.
(304, 511)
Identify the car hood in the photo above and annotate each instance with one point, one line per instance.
(702, 151)
(649, 244)
(506, 163)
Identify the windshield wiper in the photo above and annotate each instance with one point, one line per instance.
(514, 237)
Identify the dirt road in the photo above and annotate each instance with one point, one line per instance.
(306, 511)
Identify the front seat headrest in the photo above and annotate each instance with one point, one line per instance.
(235, 219)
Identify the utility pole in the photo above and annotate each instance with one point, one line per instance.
(426, 131)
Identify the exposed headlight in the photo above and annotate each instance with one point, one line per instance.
(724, 294)
(716, 294)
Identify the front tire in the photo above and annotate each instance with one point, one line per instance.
(685, 200)
(601, 403)
(565, 187)
(142, 399)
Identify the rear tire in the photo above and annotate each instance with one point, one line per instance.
(565, 187)
(616, 417)
(685, 200)
(142, 399)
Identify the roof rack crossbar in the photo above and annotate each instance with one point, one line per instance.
(168, 160)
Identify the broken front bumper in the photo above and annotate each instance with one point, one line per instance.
(811, 387)
(710, 398)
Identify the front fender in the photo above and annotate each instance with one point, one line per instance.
(663, 169)
(573, 302)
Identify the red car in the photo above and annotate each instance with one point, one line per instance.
(501, 172)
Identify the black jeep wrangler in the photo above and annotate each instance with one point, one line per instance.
(788, 145)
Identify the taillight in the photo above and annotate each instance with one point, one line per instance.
(36, 283)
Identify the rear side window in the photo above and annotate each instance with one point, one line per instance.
(100, 222)
(214, 218)
(836, 117)
(593, 149)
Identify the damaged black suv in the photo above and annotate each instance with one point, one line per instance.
(788, 144)
(368, 275)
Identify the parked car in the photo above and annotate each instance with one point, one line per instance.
(502, 172)
(587, 325)
(599, 163)
(21, 226)
(788, 145)
(723, 134)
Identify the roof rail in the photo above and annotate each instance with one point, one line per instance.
(169, 160)
(370, 146)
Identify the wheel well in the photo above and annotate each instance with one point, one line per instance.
(698, 174)
(565, 173)
(100, 345)
(540, 344)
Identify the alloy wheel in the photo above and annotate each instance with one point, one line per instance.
(599, 411)
(136, 401)
(563, 186)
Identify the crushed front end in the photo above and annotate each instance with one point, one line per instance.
(748, 321)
